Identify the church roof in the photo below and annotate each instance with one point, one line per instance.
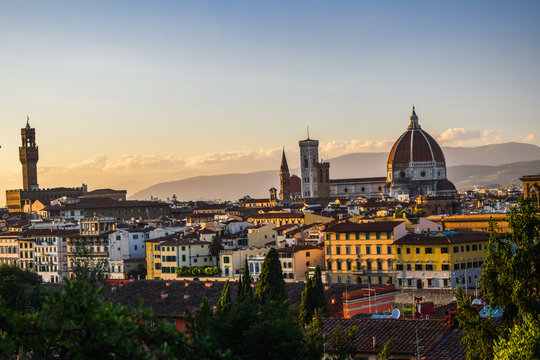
(415, 145)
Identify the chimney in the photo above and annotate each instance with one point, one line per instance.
(374, 343)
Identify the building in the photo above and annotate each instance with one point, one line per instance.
(119, 195)
(440, 260)
(29, 156)
(277, 218)
(92, 242)
(361, 252)
(309, 158)
(232, 262)
(416, 164)
(531, 187)
(284, 179)
(261, 235)
(9, 248)
(19, 199)
(473, 222)
(296, 260)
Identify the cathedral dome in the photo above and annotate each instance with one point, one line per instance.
(415, 145)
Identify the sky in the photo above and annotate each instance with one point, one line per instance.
(133, 93)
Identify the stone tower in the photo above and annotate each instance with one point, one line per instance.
(28, 154)
(309, 157)
(323, 179)
(284, 178)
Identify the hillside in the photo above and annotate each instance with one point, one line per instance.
(467, 167)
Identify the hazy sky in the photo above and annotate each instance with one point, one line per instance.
(132, 92)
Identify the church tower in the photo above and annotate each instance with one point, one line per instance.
(309, 157)
(28, 155)
(284, 177)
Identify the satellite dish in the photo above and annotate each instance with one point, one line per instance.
(477, 302)
(396, 314)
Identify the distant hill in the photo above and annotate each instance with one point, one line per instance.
(467, 167)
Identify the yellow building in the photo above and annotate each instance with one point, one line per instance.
(277, 218)
(26, 253)
(359, 253)
(296, 260)
(9, 248)
(440, 260)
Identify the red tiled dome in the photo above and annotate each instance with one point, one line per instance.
(415, 143)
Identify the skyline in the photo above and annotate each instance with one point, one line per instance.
(116, 92)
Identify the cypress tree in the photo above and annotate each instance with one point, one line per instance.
(271, 286)
(244, 285)
(320, 305)
(224, 302)
(306, 310)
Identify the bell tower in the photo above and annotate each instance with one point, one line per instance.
(284, 177)
(28, 155)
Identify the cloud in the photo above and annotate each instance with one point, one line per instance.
(337, 148)
(530, 138)
(458, 136)
(219, 158)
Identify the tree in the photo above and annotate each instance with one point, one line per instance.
(523, 341)
(244, 285)
(215, 247)
(225, 302)
(420, 212)
(319, 300)
(306, 309)
(271, 285)
(341, 343)
(85, 265)
(21, 289)
(138, 273)
(314, 340)
(509, 281)
(384, 354)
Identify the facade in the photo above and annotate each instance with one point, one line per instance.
(309, 158)
(29, 156)
(440, 260)
(360, 187)
(531, 187)
(260, 235)
(9, 248)
(284, 179)
(416, 164)
(296, 260)
(232, 262)
(362, 253)
(277, 218)
(474, 222)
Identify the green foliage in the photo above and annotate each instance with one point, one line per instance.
(384, 354)
(420, 212)
(509, 277)
(215, 246)
(198, 270)
(314, 340)
(137, 273)
(479, 333)
(271, 285)
(523, 341)
(244, 285)
(21, 289)
(342, 343)
(224, 302)
(85, 265)
(313, 299)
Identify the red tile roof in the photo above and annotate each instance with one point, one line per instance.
(426, 239)
(368, 226)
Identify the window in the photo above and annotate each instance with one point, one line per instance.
(339, 278)
(367, 236)
(379, 265)
(183, 257)
(399, 266)
(444, 250)
(462, 248)
(418, 267)
(135, 247)
(358, 265)
(456, 249)
(347, 237)
(135, 236)
(474, 247)
(328, 236)
(349, 266)
(400, 282)
(329, 265)
(409, 282)
(445, 282)
(378, 235)
(338, 250)
(250, 267)
(328, 250)
(429, 267)
(358, 250)
(368, 249)
(357, 236)
(429, 283)
(390, 265)
(445, 267)
(398, 251)
(389, 250)
(378, 250)
(347, 250)
(468, 248)
(307, 254)
(388, 234)
(338, 265)
(409, 266)
(380, 280)
(368, 265)
(428, 250)
(226, 259)
(417, 250)
(479, 246)
(408, 251)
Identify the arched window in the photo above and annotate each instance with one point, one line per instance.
(402, 174)
(306, 164)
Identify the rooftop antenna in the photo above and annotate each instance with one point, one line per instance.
(307, 131)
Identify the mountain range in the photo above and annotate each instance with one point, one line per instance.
(495, 164)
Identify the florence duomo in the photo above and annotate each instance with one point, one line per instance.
(416, 167)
